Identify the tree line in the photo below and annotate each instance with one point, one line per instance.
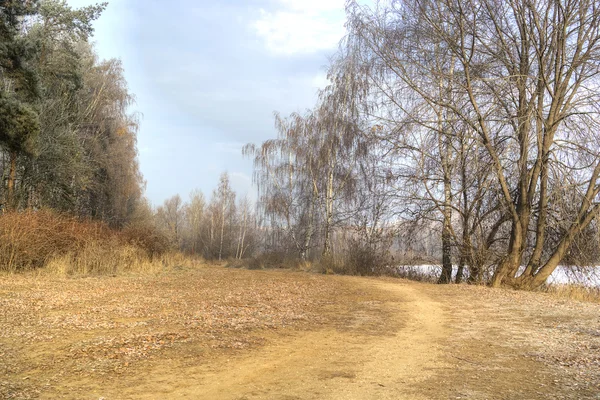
(67, 138)
(476, 119)
(221, 228)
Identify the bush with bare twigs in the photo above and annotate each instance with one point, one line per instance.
(38, 239)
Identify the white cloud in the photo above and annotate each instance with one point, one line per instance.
(301, 26)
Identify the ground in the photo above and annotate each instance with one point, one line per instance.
(217, 333)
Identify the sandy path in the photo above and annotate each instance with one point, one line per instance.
(367, 360)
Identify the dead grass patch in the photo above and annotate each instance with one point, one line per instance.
(574, 292)
(64, 245)
(95, 329)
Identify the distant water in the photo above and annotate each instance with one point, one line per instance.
(588, 276)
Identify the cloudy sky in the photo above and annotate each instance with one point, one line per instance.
(208, 76)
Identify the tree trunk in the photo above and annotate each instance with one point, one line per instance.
(309, 233)
(12, 177)
(446, 276)
(212, 236)
(327, 240)
(222, 233)
(465, 247)
(506, 270)
(240, 248)
(460, 271)
(533, 281)
(328, 215)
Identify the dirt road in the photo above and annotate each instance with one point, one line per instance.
(384, 349)
(232, 334)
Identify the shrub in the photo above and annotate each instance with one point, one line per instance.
(29, 239)
(36, 239)
(362, 258)
(147, 237)
(269, 260)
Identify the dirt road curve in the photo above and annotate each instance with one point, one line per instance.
(367, 360)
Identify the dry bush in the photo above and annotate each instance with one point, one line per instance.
(148, 237)
(362, 259)
(30, 239)
(268, 260)
(272, 259)
(237, 263)
(413, 273)
(414, 258)
(37, 239)
(357, 258)
(331, 265)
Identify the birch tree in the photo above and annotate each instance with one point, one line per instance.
(525, 82)
(287, 172)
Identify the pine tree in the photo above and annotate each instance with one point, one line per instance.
(19, 121)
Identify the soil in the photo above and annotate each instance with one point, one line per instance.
(217, 333)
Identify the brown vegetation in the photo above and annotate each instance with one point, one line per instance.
(574, 292)
(38, 239)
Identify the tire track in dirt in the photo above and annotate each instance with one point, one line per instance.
(370, 358)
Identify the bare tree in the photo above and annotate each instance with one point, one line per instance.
(524, 81)
(287, 172)
(222, 211)
(195, 220)
(170, 217)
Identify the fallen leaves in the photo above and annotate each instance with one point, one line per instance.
(95, 327)
(563, 335)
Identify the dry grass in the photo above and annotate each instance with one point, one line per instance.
(98, 260)
(545, 347)
(574, 292)
(271, 261)
(60, 335)
(66, 245)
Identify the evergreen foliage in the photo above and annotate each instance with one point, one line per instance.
(67, 138)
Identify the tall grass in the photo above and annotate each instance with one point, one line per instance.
(574, 292)
(66, 245)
